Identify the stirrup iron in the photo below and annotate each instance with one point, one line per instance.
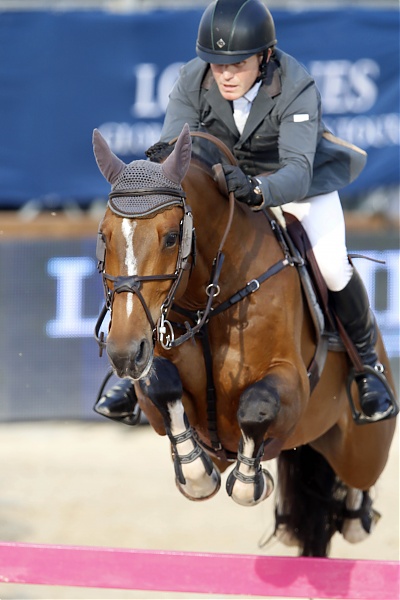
(360, 418)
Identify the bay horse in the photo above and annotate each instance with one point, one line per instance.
(210, 321)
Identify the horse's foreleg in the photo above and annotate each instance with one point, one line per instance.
(196, 476)
(248, 484)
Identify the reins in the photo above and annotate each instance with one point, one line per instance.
(163, 330)
(211, 138)
(213, 288)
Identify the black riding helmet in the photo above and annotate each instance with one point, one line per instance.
(233, 30)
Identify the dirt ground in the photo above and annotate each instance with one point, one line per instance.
(105, 484)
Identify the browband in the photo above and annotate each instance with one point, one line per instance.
(152, 192)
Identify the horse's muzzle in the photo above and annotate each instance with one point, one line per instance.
(133, 361)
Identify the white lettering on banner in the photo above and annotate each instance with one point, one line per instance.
(150, 102)
(146, 104)
(376, 131)
(384, 302)
(346, 87)
(127, 139)
(388, 317)
(70, 274)
(151, 95)
(382, 282)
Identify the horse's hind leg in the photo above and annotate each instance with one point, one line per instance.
(310, 501)
(197, 477)
(249, 484)
(313, 504)
(359, 516)
(358, 455)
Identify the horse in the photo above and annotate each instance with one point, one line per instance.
(210, 321)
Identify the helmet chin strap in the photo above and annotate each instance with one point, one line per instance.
(264, 64)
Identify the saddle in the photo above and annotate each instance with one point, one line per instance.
(327, 327)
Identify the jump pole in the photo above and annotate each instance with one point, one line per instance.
(204, 573)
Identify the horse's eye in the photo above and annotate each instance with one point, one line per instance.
(171, 239)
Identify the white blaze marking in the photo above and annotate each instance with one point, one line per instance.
(128, 228)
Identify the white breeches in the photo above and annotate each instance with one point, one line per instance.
(323, 220)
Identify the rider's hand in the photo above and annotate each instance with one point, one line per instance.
(242, 186)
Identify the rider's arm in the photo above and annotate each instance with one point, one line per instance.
(298, 138)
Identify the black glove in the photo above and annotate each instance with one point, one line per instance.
(241, 185)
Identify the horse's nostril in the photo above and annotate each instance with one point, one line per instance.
(140, 352)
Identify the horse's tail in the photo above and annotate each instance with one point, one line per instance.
(310, 500)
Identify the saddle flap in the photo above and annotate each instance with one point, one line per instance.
(300, 239)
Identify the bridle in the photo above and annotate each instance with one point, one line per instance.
(133, 283)
(162, 330)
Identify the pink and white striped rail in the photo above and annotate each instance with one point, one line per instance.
(206, 573)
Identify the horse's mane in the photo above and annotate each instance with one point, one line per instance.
(159, 151)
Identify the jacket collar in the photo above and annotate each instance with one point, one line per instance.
(264, 101)
(262, 105)
(221, 107)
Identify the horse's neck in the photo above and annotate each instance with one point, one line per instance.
(249, 249)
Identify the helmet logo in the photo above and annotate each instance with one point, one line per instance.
(221, 43)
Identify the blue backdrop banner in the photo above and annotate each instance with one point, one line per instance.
(64, 73)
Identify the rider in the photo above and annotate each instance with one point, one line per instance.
(267, 109)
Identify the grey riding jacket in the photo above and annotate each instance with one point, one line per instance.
(284, 132)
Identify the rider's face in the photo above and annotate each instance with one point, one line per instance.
(235, 80)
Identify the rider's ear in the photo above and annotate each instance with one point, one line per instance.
(109, 164)
(176, 165)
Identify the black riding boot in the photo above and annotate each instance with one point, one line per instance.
(119, 402)
(352, 307)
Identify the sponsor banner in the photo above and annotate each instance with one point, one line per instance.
(51, 295)
(64, 73)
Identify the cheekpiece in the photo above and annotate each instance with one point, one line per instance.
(145, 191)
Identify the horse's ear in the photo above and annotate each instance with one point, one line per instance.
(109, 164)
(176, 165)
